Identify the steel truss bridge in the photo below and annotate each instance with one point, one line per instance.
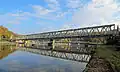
(69, 44)
(63, 55)
(97, 34)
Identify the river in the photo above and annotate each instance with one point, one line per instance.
(12, 59)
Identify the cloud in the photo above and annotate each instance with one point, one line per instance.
(97, 12)
(74, 3)
(18, 16)
(53, 4)
(14, 18)
(48, 13)
(39, 10)
(51, 12)
(73, 13)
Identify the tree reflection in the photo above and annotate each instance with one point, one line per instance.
(5, 50)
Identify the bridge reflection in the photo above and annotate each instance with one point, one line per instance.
(59, 54)
(79, 48)
(80, 56)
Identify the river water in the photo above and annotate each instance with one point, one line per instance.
(14, 60)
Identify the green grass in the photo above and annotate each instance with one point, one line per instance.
(110, 54)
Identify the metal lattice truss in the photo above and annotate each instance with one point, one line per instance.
(62, 55)
(91, 32)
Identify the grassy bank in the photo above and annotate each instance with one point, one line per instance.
(105, 59)
(110, 54)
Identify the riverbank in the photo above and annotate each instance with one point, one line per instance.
(7, 43)
(105, 59)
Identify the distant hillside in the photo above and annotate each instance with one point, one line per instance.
(6, 34)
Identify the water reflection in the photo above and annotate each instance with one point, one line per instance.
(64, 47)
(13, 60)
(62, 55)
(5, 50)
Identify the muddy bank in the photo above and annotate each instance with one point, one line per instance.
(104, 59)
(97, 64)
